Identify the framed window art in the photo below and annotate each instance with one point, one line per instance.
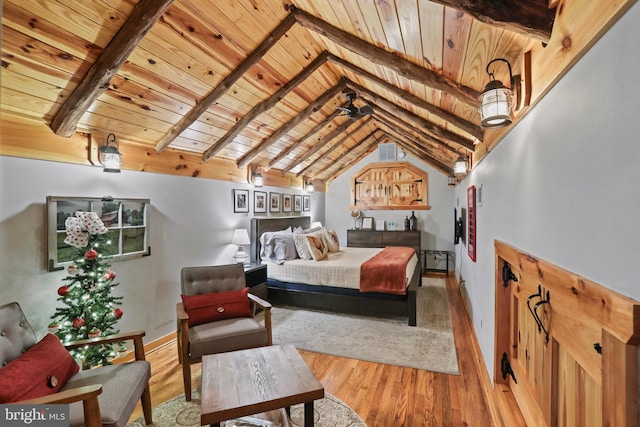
(126, 220)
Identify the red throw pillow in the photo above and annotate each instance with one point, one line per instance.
(214, 306)
(41, 370)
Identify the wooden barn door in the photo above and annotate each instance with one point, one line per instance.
(566, 347)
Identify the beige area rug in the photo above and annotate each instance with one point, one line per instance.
(430, 345)
(328, 412)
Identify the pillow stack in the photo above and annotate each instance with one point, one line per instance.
(308, 244)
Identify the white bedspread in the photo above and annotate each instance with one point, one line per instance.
(341, 269)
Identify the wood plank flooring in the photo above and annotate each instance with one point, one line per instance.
(383, 395)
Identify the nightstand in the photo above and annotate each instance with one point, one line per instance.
(256, 278)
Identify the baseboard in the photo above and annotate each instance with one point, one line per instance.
(481, 367)
(149, 347)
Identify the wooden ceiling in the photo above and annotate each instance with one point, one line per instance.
(259, 82)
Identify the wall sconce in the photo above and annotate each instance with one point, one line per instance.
(110, 156)
(308, 186)
(496, 101)
(240, 238)
(452, 180)
(460, 167)
(258, 180)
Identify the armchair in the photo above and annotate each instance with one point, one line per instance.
(103, 396)
(217, 336)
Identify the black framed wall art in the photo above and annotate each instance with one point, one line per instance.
(241, 201)
(274, 202)
(259, 202)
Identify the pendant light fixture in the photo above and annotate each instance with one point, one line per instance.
(496, 101)
(110, 157)
(460, 167)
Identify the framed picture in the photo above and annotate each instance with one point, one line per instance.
(297, 203)
(125, 219)
(259, 202)
(306, 203)
(286, 203)
(380, 225)
(241, 200)
(274, 202)
(367, 223)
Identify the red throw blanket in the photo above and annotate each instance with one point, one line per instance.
(386, 271)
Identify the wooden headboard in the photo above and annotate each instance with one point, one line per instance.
(262, 225)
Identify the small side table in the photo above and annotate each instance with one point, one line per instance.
(256, 278)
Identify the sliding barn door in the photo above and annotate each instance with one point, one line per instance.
(566, 347)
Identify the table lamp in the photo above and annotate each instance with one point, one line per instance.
(240, 238)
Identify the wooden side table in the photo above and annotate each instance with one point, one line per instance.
(246, 382)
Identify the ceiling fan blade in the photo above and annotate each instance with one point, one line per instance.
(365, 109)
(346, 110)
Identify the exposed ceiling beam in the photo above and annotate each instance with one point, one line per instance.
(471, 128)
(422, 154)
(350, 134)
(387, 59)
(267, 104)
(385, 116)
(357, 149)
(409, 117)
(318, 145)
(434, 152)
(143, 16)
(299, 142)
(530, 18)
(300, 117)
(225, 84)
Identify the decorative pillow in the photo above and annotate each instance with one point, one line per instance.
(317, 246)
(266, 237)
(41, 370)
(214, 306)
(280, 248)
(332, 241)
(300, 241)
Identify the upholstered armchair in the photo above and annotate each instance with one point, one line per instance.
(43, 372)
(216, 315)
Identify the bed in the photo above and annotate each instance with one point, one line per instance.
(346, 299)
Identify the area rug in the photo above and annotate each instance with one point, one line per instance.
(328, 412)
(430, 345)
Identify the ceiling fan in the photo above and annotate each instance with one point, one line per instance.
(352, 111)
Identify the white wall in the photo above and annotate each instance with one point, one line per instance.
(435, 224)
(562, 184)
(191, 223)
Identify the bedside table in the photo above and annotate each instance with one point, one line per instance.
(256, 278)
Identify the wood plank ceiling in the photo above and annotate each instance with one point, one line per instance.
(259, 82)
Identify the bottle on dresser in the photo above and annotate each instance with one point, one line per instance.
(413, 222)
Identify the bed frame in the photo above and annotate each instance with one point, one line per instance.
(333, 299)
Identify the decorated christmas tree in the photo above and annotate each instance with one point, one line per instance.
(90, 310)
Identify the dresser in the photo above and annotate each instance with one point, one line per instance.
(380, 239)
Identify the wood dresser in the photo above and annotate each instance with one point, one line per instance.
(380, 239)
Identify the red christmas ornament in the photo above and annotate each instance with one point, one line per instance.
(77, 323)
(117, 313)
(110, 275)
(63, 290)
(91, 254)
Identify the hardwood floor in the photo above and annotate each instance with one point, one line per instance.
(383, 395)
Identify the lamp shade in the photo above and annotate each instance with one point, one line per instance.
(258, 180)
(240, 237)
(495, 108)
(460, 167)
(109, 155)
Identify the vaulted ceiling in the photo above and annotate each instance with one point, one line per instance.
(261, 82)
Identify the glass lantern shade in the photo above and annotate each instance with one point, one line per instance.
(110, 159)
(496, 103)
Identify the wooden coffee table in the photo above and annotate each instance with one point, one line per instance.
(247, 382)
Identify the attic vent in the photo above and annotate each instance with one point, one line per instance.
(387, 152)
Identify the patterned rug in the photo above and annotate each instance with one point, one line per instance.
(430, 345)
(328, 412)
